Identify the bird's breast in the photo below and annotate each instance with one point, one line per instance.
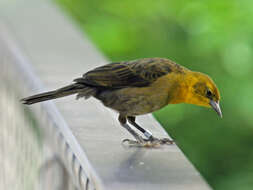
(135, 100)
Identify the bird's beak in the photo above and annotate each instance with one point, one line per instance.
(216, 107)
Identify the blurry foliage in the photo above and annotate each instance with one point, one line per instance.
(211, 36)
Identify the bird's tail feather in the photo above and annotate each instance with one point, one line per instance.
(61, 92)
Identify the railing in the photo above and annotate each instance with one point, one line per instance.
(40, 48)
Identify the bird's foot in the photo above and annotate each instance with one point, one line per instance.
(161, 141)
(151, 142)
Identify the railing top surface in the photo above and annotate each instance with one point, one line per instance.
(59, 53)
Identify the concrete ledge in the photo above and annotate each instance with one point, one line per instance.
(49, 50)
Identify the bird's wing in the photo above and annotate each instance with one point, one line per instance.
(138, 73)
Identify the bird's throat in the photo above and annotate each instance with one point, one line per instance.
(180, 92)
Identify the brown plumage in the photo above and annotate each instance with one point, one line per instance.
(138, 87)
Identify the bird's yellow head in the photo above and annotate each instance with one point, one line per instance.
(202, 91)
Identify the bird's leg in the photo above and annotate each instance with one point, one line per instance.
(123, 122)
(148, 134)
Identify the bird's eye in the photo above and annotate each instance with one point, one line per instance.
(209, 94)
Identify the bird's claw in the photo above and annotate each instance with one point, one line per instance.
(165, 141)
(134, 143)
(148, 143)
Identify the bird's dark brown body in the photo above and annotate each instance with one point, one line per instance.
(135, 87)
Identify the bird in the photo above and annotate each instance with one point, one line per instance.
(139, 87)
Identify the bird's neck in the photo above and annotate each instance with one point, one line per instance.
(182, 89)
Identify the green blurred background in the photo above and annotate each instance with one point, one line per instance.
(211, 36)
